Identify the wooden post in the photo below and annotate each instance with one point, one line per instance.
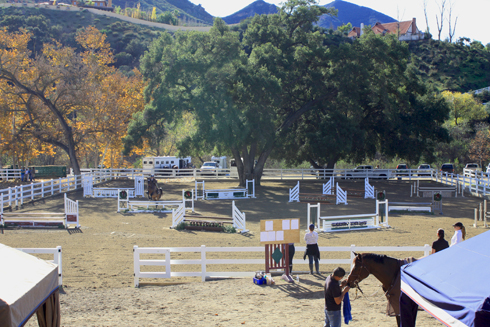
(270, 263)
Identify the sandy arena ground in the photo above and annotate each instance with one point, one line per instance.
(98, 262)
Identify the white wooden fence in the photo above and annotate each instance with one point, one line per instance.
(203, 272)
(56, 252)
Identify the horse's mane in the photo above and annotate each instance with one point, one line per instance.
(377, 258)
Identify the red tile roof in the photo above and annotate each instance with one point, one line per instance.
(393, 28)
(355, 32)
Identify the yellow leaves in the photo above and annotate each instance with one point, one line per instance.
(97, 50)
(94, 100)
(464, 107)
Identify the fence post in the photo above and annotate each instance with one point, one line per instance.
(352, 256)
(481, 212)
(203, 263)
(32, 191)
(476, 218)
(60, 265)
(136, 260)
(427, 250)
(52, 186)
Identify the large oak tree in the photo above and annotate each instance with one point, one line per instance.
(279, 82)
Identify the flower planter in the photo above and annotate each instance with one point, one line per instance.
(205, 228)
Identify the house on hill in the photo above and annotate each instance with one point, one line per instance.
(406, 31)
(97, 4)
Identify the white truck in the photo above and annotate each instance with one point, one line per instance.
(471, 169)
(364, 171)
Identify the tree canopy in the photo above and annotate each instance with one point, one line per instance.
(64, 100)
(279, 83)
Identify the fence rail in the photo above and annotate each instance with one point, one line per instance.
(56, 252)
(478, 184)
(203, 261)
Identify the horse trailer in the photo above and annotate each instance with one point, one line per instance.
(166, 163)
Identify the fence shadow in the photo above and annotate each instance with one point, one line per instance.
(75, 230)
(299, 291)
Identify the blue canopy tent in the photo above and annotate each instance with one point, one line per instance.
(453, 285)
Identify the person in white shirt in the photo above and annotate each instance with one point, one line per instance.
(312, 250)
(459, 233)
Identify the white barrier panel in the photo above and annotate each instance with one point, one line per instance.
(168, 262)
(56, 252)
(294, 193)
(124, 204)
(178, 215)
(71, 212)
(348, 222)
(368, 189)
(407, 206)
(42, 219)
(112, 192)
(226, 194)
(239, 218)
(341, 195)
(327, 187)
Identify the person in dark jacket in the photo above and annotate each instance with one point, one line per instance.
(441, 243)
(312, 250)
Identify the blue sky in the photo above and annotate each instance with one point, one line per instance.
(472, 14)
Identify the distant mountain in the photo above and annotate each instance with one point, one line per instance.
(354, 14)
(258, 7)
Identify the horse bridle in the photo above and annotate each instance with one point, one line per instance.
(357, 280)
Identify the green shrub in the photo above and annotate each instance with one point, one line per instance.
(181, 226)
(229, 229)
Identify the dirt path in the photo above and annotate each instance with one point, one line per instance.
(98, 263)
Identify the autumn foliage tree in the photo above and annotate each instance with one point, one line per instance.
(480, 147)
(61, 99)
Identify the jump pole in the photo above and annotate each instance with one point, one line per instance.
(317, 206)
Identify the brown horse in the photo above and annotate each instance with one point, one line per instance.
(386, 270)
(154, 192)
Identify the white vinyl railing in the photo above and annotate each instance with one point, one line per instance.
(56, 252)
(16, 196)
(203, 272)
(479, 184)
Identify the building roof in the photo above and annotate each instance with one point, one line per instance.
(399, 28)
(355, 32)
(393, 28)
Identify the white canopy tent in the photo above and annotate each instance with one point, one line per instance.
(29, 285)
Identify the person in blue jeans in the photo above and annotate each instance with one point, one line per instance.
(312, 250)
(333, 297)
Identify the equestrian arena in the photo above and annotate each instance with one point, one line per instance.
(98, 264)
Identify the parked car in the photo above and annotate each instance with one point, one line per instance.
(447, 167)
(470, 169)
(424, 170)
(209, 168)
(402, 170)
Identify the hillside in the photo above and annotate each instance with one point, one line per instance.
(188, 10)
(452, 66)
(258, 7)
(128, 41)
(354, 14)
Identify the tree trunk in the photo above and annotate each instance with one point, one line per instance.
(245, 162)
